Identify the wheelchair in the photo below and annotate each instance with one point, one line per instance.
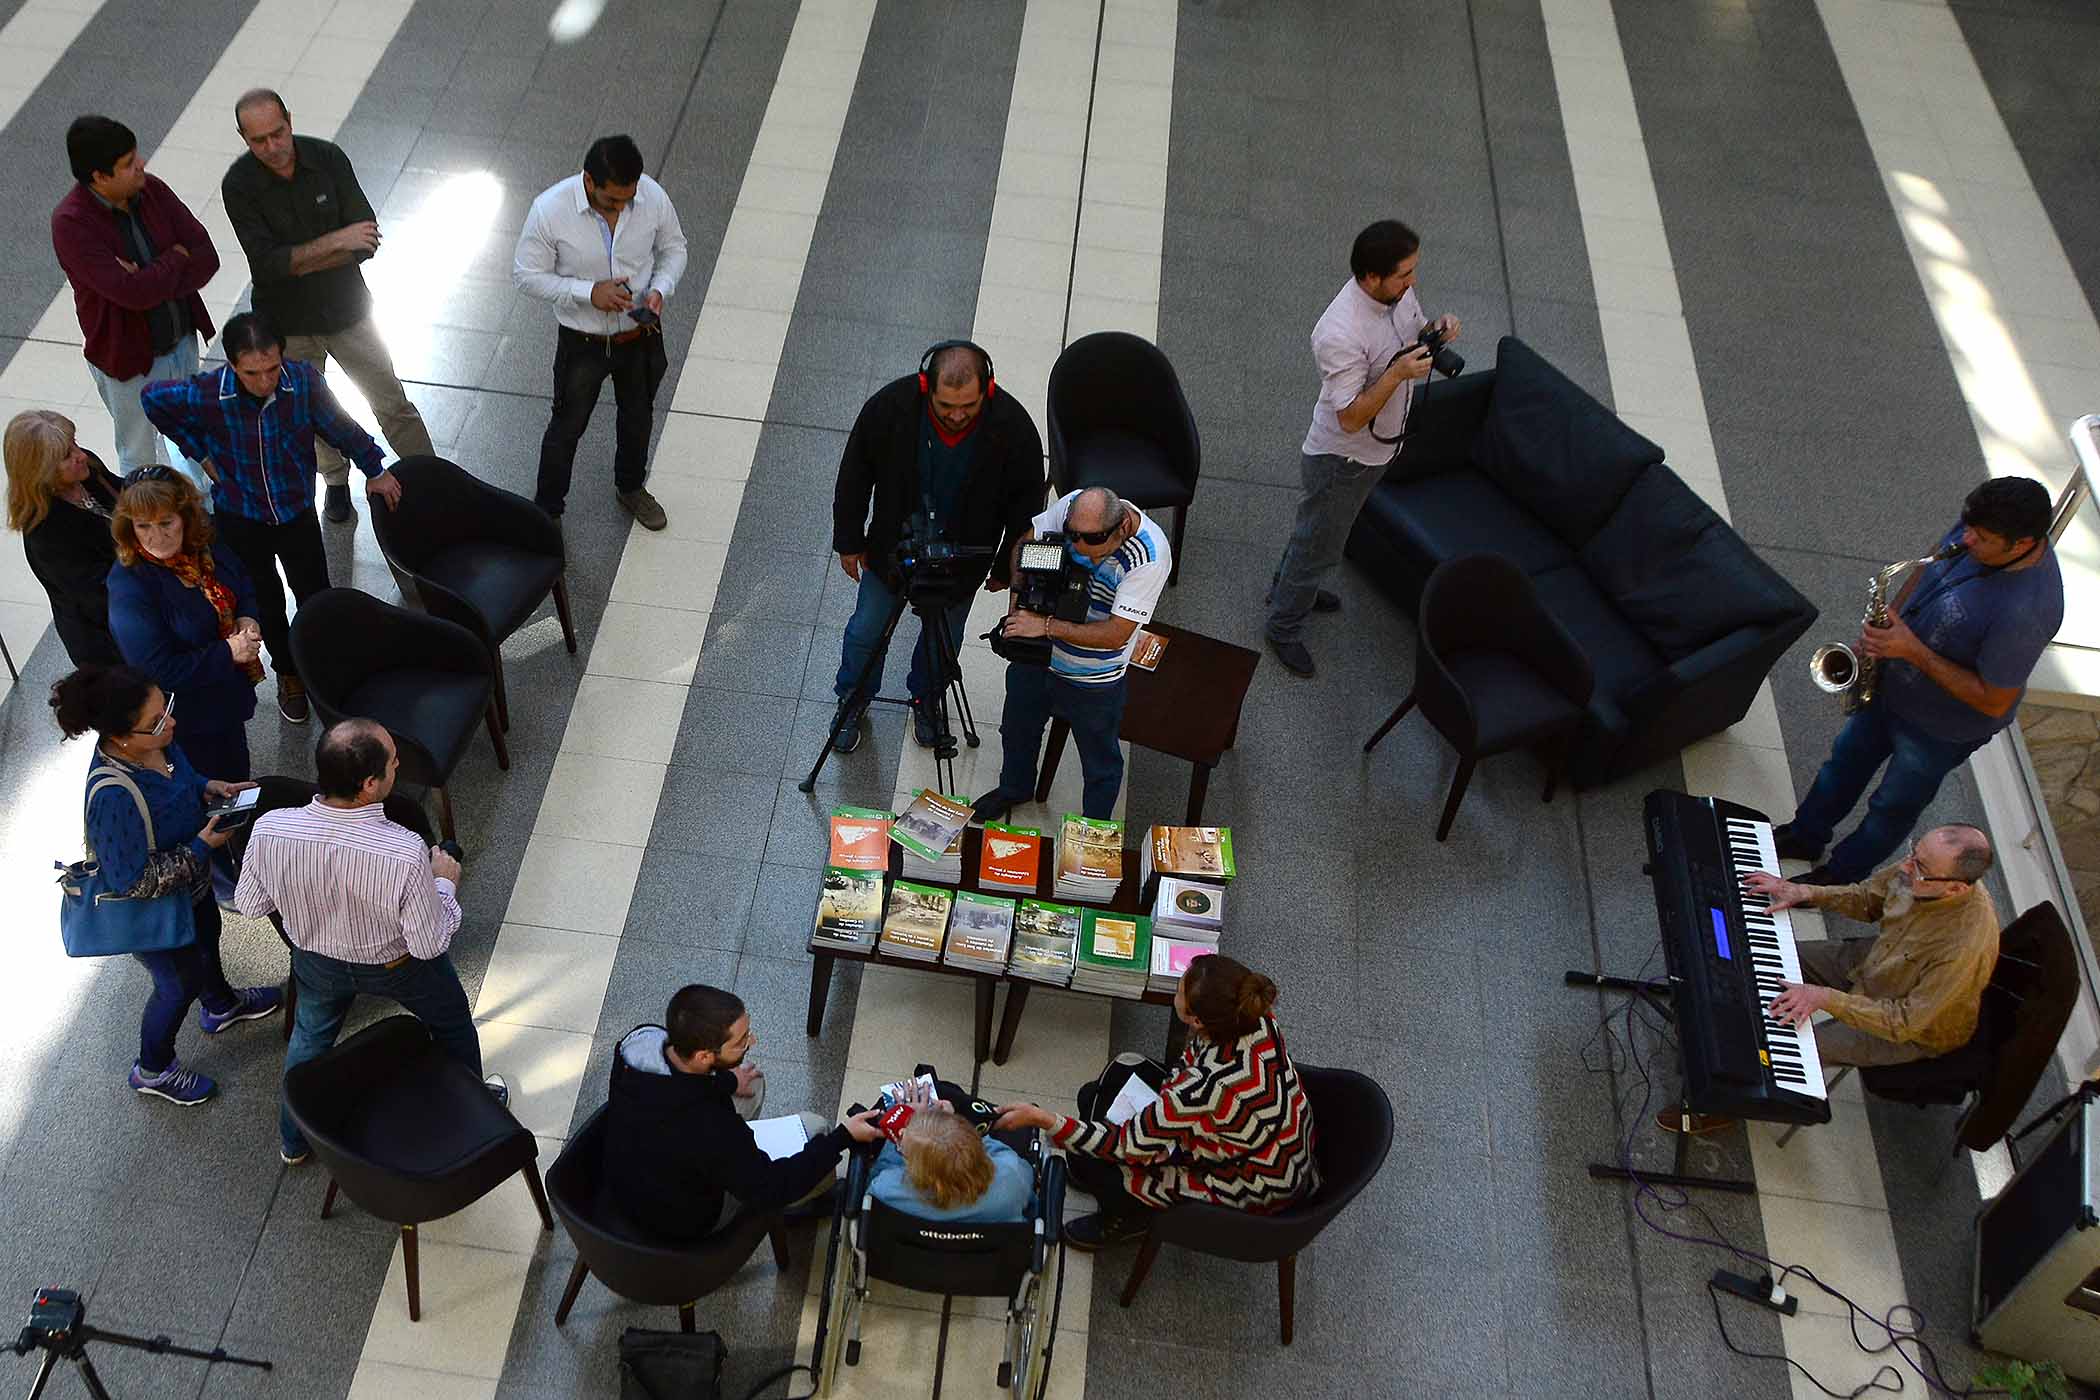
(1022, 1262)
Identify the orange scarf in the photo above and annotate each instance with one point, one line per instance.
(194, 568)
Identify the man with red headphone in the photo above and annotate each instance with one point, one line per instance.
(946, 444)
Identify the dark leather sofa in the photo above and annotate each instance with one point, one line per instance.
(1680, 619)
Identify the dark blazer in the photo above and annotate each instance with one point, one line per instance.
(1001, 493)
(112, 303)
(171, 632)
(71, 552)
(674, 1145)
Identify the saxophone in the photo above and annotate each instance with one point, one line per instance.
(1838, 669)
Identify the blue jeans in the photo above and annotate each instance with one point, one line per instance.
(138, 441)
(180, 977)
(1917, 765)
(864, 629)
(429, 990)
(1095, 712)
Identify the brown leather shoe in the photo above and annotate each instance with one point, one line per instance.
(291, 699)
(643, 507)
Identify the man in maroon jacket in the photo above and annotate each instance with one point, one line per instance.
(136, 257)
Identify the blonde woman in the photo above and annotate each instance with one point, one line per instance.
(940, 1169)
(59, 499)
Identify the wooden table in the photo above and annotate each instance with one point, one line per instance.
(1188, 708)
(823, 960)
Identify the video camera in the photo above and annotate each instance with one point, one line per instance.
(929, 567)
(1046, 581)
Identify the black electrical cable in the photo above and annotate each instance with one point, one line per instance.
(1902, 1323)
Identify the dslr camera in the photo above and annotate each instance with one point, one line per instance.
(1047, 582)
(1443, 360)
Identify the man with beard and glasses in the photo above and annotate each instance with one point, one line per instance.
(1913, 991)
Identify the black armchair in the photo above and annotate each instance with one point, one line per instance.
(427, 680)
(407, 1132)
(1352, 1133)
(2026, 1006)
(606, 1245)
(478, 555)
(276, 791)
(1493, 670)
(1118, 419)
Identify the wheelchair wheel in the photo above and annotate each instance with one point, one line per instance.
(835, 1306)
(1034, 1330)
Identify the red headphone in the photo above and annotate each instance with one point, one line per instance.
(985, 376)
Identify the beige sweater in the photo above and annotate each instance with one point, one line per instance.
(1923, 979)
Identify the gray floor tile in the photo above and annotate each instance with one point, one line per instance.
(702, 901)
(713, 812)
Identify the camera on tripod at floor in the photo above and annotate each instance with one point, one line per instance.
(1049, 582)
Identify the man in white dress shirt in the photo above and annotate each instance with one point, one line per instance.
(1366, 387)
(605, 248)
(367, 906)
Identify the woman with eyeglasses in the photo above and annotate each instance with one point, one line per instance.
(134, 723)
(183, 611)
(59, 498)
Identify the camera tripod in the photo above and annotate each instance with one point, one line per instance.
(57, 1323)
(947, 663)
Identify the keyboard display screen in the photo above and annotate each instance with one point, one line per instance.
(1721, 934)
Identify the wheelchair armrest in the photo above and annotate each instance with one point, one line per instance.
(1053, 1211)
(859, 1167)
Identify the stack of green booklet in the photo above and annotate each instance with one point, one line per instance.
(979, 929)
(1114, 955)
(849, 912)
(1045, 935)
(918, 921)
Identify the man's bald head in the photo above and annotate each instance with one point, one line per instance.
(1094, 509)
(1965, 849)
(958, 367)
(255, 105)
(352, 756)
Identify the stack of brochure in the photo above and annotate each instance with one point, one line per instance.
(979, 929)
(1045, 936)
(1011, 857)
(930, 831)
(1171, 957)
(1089, 859)
(849, 912)
(1115, 954)
(917, 922)
(1188, 910)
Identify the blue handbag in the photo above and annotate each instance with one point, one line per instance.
(98, 920)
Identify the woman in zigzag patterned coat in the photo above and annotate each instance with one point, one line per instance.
(1230, 1126)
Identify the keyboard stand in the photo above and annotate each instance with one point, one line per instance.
(1653, 992)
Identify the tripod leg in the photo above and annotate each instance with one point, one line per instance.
(43, 1375)
(865, 687)
(95, 1389)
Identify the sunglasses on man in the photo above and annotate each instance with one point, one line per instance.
(1096, 536)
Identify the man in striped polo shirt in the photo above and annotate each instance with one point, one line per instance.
(367, 906)
(1128, 559)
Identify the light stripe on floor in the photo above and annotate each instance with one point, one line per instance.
(1819, 1207)
(2021, 336)
(544, 990)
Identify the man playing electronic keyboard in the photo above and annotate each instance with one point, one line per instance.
(1914, 990)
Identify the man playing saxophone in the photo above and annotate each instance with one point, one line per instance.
(1950, 668)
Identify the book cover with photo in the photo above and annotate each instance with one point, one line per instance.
(1114, 954)
(1045, 936)
(860, 838)
(980, 927)
(1191, 852)
(931, 825)
(917, 922)
(1010, 856)
(1190, 908)
(849, 911)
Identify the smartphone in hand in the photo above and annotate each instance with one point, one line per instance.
(232, 811)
